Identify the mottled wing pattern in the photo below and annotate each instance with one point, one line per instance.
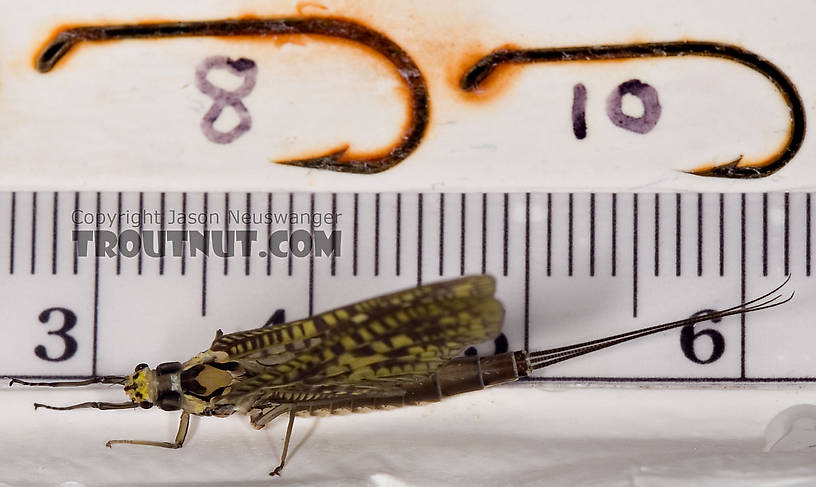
(372, 355)
(364, 372)
(298, 335)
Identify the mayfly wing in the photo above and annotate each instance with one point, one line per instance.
(406, 339)
(437, 333)
(384, 367)
(262, 343)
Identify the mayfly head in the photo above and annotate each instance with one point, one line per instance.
(160, 386)
(138, 386)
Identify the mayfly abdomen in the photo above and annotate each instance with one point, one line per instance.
(466, 374)
(460, 375)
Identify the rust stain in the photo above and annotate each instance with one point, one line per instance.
(303, 6)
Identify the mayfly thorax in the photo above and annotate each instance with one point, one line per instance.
(389, 351)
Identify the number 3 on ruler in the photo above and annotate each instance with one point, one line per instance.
(69, 320)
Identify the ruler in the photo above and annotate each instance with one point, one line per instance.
(570, 267)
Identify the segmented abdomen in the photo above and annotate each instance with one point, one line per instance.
(464, 374)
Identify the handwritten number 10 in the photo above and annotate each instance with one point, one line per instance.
(614, 108)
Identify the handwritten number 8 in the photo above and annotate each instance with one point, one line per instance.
(243, 68)
(69, 320)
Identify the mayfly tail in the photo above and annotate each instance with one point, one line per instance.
(553, 356)
(106, 379)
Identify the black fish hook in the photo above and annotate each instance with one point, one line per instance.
(485, 66)
(322, 26)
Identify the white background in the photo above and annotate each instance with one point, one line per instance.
(125, 116)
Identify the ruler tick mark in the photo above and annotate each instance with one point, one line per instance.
(12, 232)
(657, 234)
(76, 230)
(484, 233)
(291, 212)
(764, 234)
(592, 235)
(549, 234)
(54, 227)
(699, 234)
(96, 288)
(268, 248)
(376, 234)
(119, 231)
(184, 234)
(570, 235)
(527, 271)
(246, 249)
(787, 233)
(419, 239)
(141, 230)
(162, 231)
(355, 235)
(205, 204)
(722, 234)
(743, 259)
(462, 233)
(311, 254)
(808, 241)
(441, 233)
(678, 234)
(334, 238)
(634, 255)
(33, 232)
(614, 234)
(506, 232)
(399, 232)
(226, 239)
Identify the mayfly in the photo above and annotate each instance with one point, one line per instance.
(390, 351)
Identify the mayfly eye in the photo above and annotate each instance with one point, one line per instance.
(145, 404)
(140, 367)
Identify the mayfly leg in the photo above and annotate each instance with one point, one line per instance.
(277, 471)
(104, 406)
(184, 424)
(261, 418)
(105, 379)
